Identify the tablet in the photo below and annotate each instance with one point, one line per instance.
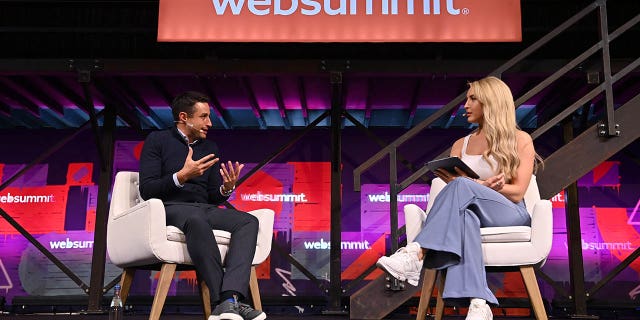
(449, 164)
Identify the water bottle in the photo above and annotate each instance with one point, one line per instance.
(115, 309)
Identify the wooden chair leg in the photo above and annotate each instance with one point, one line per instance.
(164, 282)
(439, 302)
(530, 282)
(255, 291)
(125, 283)
(205, 296)
(429, 278)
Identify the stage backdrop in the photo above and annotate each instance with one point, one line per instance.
(56, 202)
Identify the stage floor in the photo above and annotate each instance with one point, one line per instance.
(603, 315)
(45, 309)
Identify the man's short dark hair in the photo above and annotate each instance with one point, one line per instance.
(185, 102)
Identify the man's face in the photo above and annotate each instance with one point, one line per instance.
(198, 124)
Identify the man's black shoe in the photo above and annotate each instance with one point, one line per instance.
(249, 313)
(226, 310)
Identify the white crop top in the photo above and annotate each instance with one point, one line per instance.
(478, 163)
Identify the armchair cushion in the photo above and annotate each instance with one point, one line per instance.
(175, 234)
(223, 238)
(506, 234)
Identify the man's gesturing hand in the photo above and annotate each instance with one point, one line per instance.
(230, 174)
(192, 169)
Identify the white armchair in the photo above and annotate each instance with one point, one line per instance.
(520, 246)
(138, 238)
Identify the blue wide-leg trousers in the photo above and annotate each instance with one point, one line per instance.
(451, 233)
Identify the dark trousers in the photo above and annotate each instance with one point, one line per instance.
(196, 220)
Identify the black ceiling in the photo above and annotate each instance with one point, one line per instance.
(50, 47)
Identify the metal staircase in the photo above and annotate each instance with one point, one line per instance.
(578, 156)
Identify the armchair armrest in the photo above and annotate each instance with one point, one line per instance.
(143, 225)
(542, 228)
(414, 216)
(265, 234)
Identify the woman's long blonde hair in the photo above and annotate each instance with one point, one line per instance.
(499, 125)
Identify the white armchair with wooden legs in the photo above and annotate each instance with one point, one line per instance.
(138, 238)
(519, 247)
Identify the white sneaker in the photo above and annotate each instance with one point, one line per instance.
(404, 264)
(479, 310)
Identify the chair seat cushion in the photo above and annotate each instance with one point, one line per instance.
(175, 234)
(506, 234)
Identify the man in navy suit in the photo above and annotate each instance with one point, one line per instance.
(182, 168)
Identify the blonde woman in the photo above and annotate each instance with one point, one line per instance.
(504, 158)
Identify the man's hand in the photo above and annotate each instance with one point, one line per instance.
(230, 174)
(192, 169)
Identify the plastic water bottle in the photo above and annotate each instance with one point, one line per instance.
(116, 311)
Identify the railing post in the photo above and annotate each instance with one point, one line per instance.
(608, 127)
(393, 201)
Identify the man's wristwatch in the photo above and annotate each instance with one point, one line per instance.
(226, 193)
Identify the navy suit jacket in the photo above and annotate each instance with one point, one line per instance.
(163, 154)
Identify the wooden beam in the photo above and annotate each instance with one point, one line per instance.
(124, 112)
(66, 92)
(303, 100)
(367, 104)
(160, 87)
(217, 106)
(253, 102)
(6, 90)
(139, 102)
(38, 93)
(280, 102)
(413, 104)
(129, 94)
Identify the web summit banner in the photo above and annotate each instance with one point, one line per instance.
(340, 20)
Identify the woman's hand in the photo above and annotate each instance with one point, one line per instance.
(447, 176)
(496, 182)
